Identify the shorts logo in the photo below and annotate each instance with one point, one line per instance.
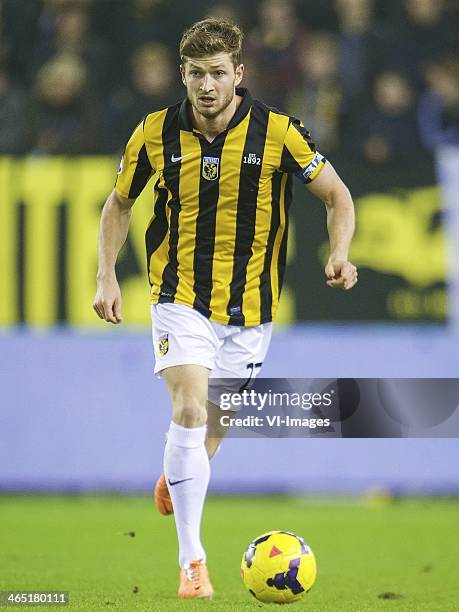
(163, 345)
(210, 168)
(306, 172)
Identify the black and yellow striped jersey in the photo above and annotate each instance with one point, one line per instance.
(218, 237)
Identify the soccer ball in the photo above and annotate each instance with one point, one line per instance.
(278, 567)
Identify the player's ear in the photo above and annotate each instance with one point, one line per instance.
(239, 74)
(182, 73)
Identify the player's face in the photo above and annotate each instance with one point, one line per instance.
(210, 83)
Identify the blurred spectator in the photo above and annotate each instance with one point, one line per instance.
(356, 40)
(236, 11)
(154, 83)
(317, 15)
(432, 32)
(142, 21)
(13, 135)
(422, 31)
(274, 45)
(387, 132)
(315, 59)
(317, 97)
(65, 27)
(224, 11)
(63, 117)
(438, 111)
(18, 30)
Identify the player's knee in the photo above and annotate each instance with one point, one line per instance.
(189, 412)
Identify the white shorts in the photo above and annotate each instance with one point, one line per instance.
(182, 335)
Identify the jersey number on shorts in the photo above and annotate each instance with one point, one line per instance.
(252, 367)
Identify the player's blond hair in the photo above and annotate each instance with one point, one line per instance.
(211, 36)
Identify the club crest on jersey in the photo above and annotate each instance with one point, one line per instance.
(163, 345)
(210, 168)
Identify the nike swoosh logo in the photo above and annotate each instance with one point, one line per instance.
(176, 482)
(176, 159)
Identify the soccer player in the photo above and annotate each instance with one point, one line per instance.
(222, 165)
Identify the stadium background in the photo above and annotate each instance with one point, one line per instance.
(377, 84)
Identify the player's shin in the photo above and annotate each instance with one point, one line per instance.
(187, 472)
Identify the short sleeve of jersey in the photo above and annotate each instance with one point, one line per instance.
(299, 154)
(135, 168)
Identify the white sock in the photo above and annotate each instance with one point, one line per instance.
(186, 460)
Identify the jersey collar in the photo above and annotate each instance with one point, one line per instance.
(241, 112)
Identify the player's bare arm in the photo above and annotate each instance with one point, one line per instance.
(113, 231)
(328, 186)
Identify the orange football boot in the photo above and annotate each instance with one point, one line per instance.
(162, 497)
(195, 582)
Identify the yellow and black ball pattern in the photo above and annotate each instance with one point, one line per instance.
(278, 567)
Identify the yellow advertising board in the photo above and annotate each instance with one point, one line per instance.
(49, 217)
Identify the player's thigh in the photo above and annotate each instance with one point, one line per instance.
(240, 358)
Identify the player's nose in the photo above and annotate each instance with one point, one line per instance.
(207, 83)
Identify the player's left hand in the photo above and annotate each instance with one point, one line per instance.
(341, 274)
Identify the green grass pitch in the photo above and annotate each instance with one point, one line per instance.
(79, 544)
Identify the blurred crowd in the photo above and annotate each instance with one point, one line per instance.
(377, 80)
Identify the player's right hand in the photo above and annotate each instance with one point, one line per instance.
(107, 302)
(341, 274)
